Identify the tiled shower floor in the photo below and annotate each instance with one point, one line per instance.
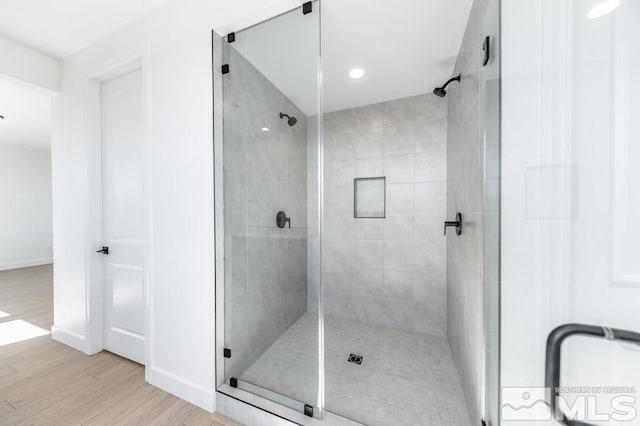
(406, 378)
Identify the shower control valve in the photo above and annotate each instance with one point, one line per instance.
(456, 224)
(282, 220)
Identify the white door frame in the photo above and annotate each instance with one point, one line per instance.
(118, 65)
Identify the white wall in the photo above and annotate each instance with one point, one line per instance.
(25, 175)
(25, 216)
(28, 66)
(175, 44)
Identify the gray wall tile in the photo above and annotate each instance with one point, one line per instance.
(264, 171)
(465, 172)
(370, 143)
(373, 271)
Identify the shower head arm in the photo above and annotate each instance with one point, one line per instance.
(452, 79)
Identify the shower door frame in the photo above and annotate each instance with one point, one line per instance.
(491, 89)
(232, 402)
(236, 402)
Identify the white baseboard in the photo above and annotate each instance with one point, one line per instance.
(26, 263)
(191, 392)
(69, 338)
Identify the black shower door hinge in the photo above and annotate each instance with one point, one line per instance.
(231, 37)
(308, 410)
(486, 48)
(307, 8)
(227, 353)
(225, 69)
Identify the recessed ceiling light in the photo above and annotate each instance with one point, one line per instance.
(356, 73)
(265, 129)
(603, 8)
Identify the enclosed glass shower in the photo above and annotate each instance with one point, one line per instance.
(339, 298)
(339, 301)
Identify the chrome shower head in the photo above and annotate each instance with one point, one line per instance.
(291, 121)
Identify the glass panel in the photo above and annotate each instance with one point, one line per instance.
(490, 80)
(570, 205)
(270, 107)
(402, 302)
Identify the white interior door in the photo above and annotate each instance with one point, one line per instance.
(123, 216)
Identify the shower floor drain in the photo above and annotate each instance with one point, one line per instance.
(355, 359)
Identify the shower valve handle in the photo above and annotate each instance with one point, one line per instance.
(456, 224)
(282, 220)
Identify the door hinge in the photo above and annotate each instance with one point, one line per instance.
(227, 353)
(231, 37)
(233, 382)
(307, 8)
(225, 69)
(308, 410)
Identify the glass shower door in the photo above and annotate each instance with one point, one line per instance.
(270, 91)
(570, 204)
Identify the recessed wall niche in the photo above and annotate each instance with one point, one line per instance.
(369, 195)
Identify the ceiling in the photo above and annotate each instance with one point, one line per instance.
(285, 50)
(63, 27)
(406, 47)
(27, 113)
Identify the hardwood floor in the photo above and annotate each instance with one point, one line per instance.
(43, 382)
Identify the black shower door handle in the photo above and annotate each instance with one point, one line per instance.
(552, 365)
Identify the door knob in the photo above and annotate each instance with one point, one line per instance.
(455, 223)
(104, 250)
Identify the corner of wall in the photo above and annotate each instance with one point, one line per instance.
(465, 194)
(26, 263)
(29, 67)
(69, 338)
(197, 395)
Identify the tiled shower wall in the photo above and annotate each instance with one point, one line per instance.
(465, 161)
(389, 271)
(264, 172)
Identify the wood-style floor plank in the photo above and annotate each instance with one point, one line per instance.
(43, 382)
(199, 418)
(225, 421)
(177, 411)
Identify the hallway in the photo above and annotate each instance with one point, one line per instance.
(45, 382)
